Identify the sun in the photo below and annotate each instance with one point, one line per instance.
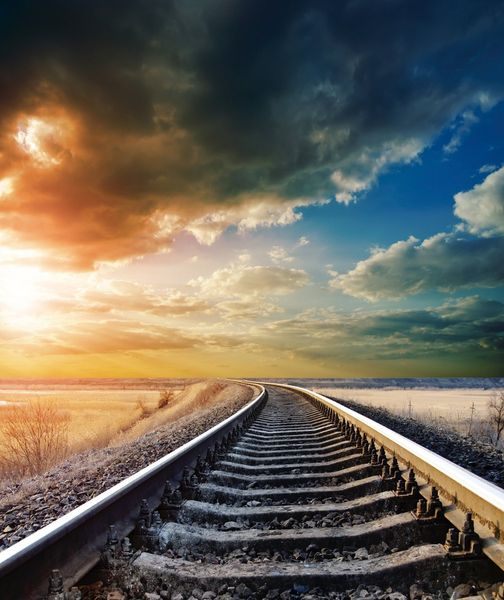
(19, 289)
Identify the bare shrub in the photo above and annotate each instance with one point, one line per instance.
(34, 436)
(141, 406)
(496, 415)
(165, 397)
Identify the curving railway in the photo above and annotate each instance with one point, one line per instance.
(294, 496)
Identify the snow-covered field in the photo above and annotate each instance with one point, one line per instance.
(452, 407)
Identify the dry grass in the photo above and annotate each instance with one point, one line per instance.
(110, 418)
(96, 416)
(191, 399)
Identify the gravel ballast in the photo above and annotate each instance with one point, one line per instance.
(36, 502)
(478, 457)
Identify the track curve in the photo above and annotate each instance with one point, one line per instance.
(301, 502)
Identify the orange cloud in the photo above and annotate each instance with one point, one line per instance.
(84, 196)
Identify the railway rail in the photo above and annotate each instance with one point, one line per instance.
(293, 492)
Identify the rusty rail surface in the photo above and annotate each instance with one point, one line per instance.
(73, 542)
(460, 490)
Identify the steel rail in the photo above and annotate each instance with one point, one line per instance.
(461, 491)
(73, 542)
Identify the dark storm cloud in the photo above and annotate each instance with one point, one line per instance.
(473, 326)
(182, 109)
(87, 53)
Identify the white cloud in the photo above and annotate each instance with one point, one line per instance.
(244, 291)
(360, 172)
(482, 207)
(466, 120)
(247, 281)
(244, 257)
(487, 168)
(303, 241)
(279, 255)
(444, 262)
(113, 335)
(249, 215)
(125, 296)
(248, 309)
(349, 185)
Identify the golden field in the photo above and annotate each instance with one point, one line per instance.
(94, 415)
(94, 418)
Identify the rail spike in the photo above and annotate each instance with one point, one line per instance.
(201, 469)
(434, 506)
(465, 544)
(408, 488)
(421, 510)
(395, 471)
(145, 512)
(195, 481)
(411, 483)
(220, 450)
(429, 511)
(469, 539)
(188, 485)
(452, 541)
(365, 448)
(210, 457)
(110, 551)
(171, 502)
(153, 531)
(139, 535)
(126, 549)
(401, 487)
(56, 586)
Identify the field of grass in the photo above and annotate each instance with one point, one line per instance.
(95, 416)
(88, 418)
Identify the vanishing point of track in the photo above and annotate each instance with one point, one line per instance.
(293, 492)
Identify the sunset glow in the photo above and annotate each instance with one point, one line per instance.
(6, 186)
(41, 140)
(187, 191)
(20, 292)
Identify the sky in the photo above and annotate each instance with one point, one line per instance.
(262, 189)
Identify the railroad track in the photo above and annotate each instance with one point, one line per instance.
(294, 493)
